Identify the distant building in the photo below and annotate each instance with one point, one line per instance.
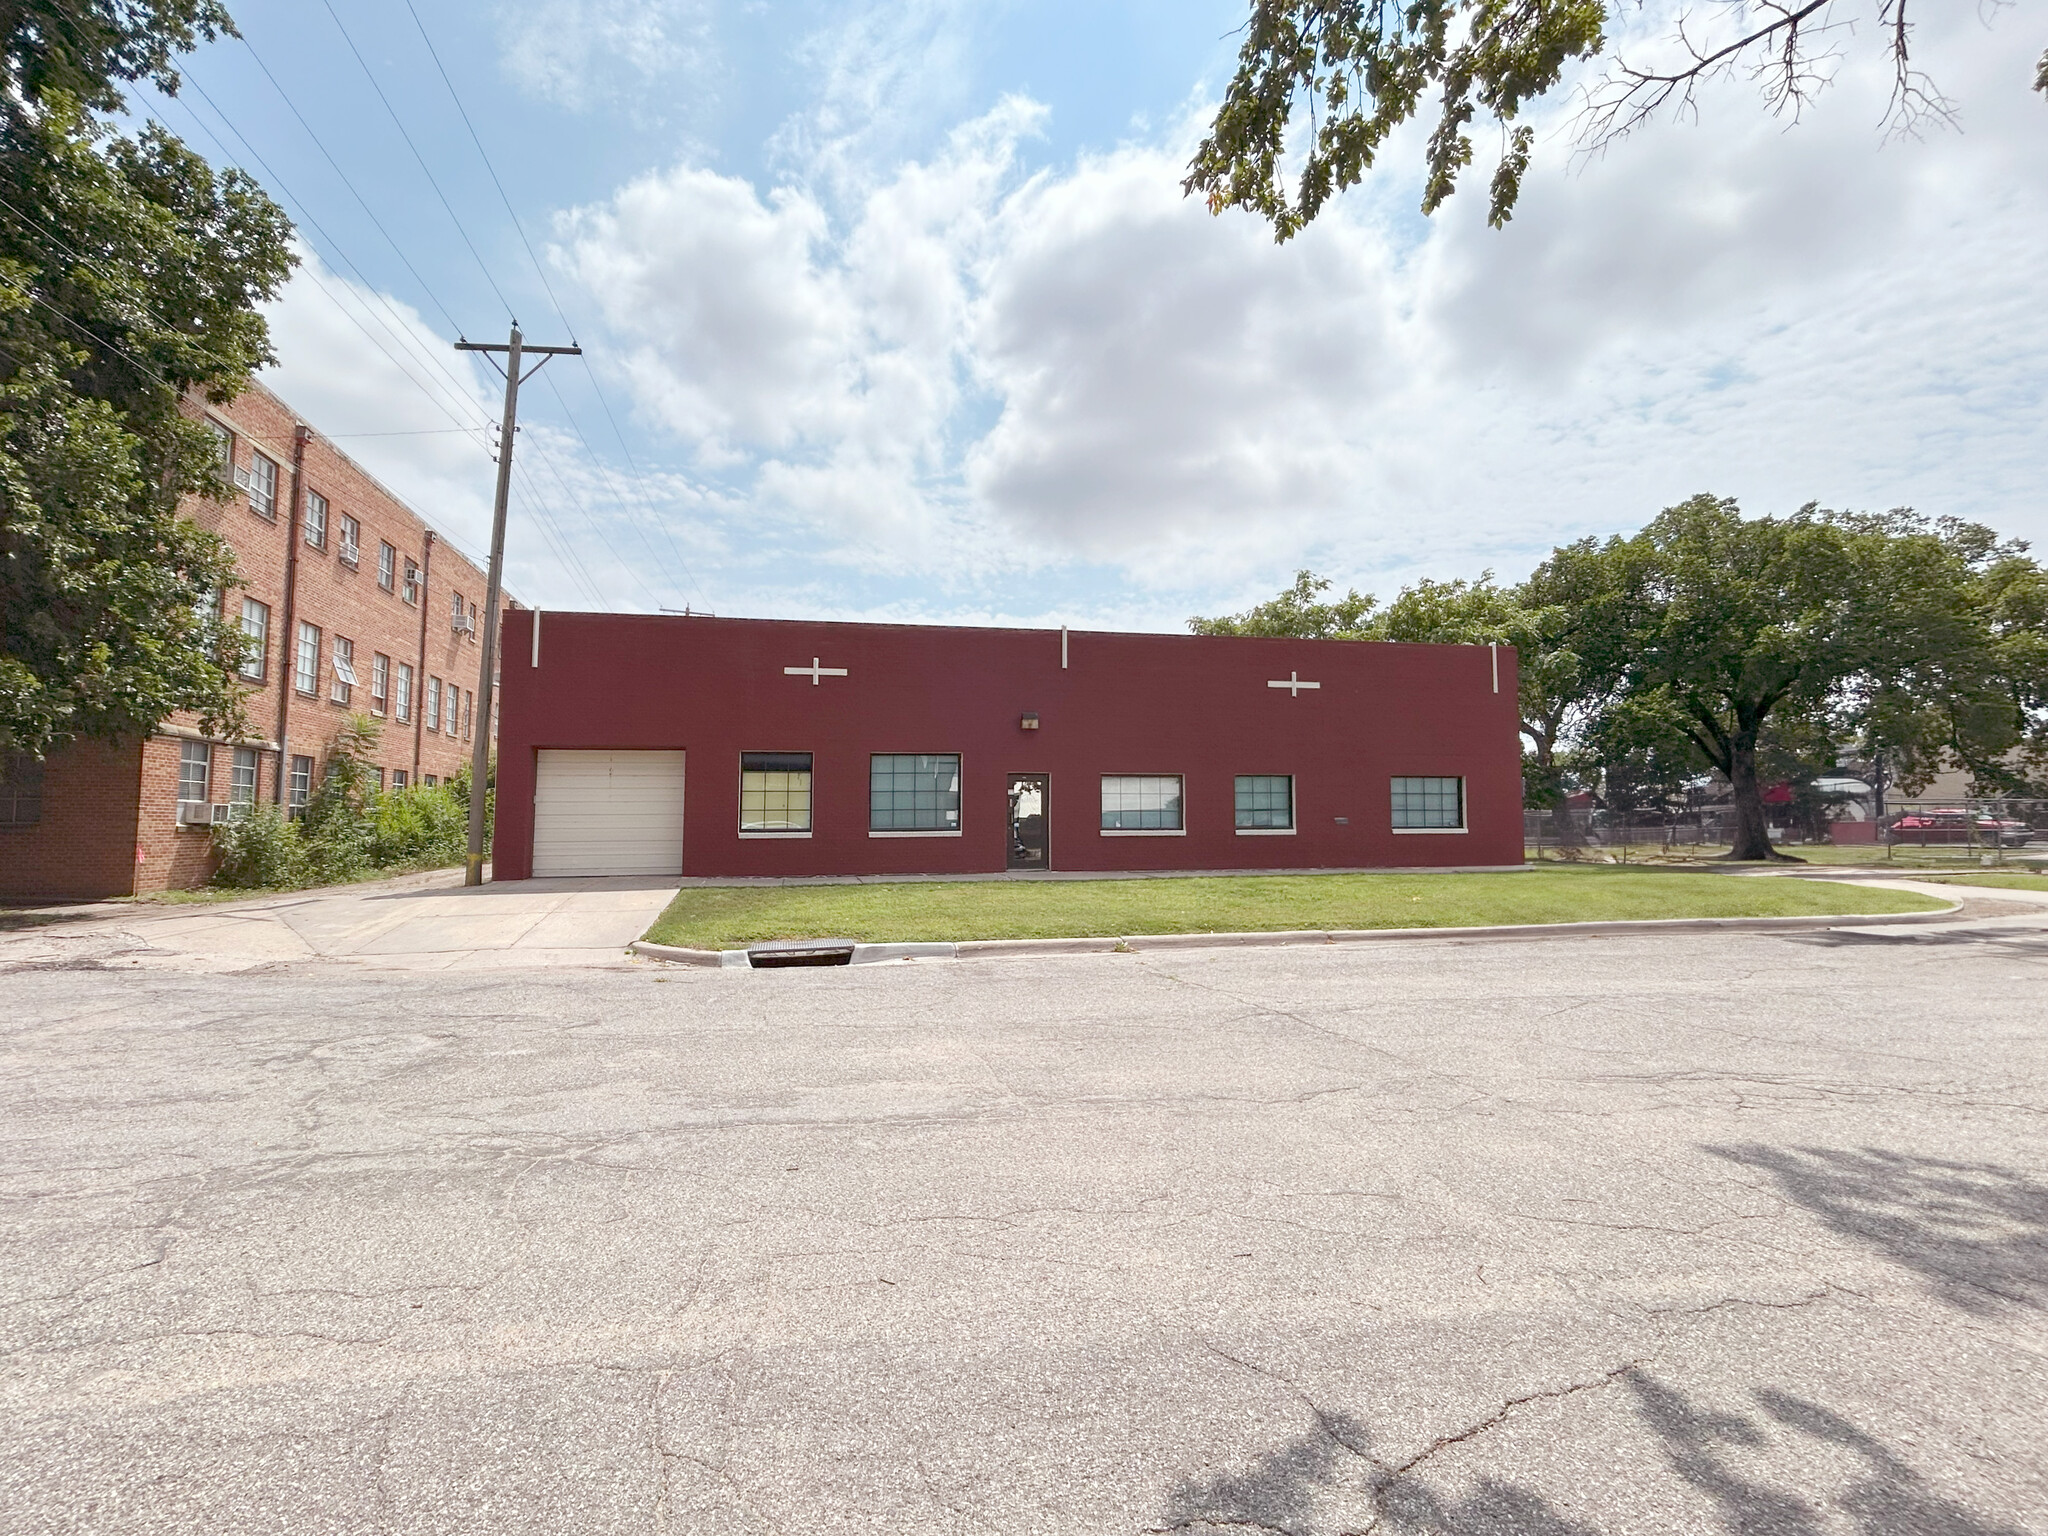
(634, 744)
(354, 603)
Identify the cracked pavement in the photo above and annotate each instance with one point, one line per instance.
(1712, 1232)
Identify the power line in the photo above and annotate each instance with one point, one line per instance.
(285, 96)
(540, 271)
(371, 76)
(397, 331)
(477, 140)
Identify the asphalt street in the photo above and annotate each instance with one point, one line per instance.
(1727, 1232)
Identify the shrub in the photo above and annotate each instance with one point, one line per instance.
(261, 851)
(420, 825)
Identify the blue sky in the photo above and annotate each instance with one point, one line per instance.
(899, 313)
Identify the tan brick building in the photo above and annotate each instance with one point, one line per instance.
(356, 605)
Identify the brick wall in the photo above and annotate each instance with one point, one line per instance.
(85, 843)
(102, 809)
(347, 601)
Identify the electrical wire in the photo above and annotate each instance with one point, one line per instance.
(371, 76)
(540, 271)
(398, 331)
(361, 202)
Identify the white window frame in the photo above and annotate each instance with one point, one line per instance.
(1293, 807)
(433, 703)
(305, 671)
(348, 545)
(316, 520)
(190, 753)
(380, 683)
(257, 662)
(1464, 810)
(298, 786)
(341, 660)
(243, 775)
(387, 566)
(810, 797)
(1179, 831)
(401, 692)
(263, 486)
(960, 811)
(224, 439)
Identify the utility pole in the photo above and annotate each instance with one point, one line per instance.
(515, 350)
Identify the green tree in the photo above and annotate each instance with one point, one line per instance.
(1745, 626)
(1345, 74)
(1297, 613)
(130, 273)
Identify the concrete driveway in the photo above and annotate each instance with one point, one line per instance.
(427, 922)
(1702, 1233)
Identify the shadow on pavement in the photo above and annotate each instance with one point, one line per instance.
(1884, 1498)
(1976, 1231)
(1327, 1482)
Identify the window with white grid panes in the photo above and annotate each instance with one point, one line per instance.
(914, 792)
(1135, 802)
(242, 787)
(263, 485)
(401, 695)
(299, 787)
(342, 659)
(380, 683)
(433, 703)
(350, 546)
(195, 762)
(387, 566)
(1265, 802)
(224, 449)
(1429, 805)
(316, 519)
(306, 673)
(256, 625)
(775, 792)
(398, 778)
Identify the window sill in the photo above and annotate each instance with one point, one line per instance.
(1265, 831)
(934, 832)
(307, 693)
(773, 836)
(1430, 831)
(1144, 831)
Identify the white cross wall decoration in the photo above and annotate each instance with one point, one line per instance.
(1292, 683)
(814, 672)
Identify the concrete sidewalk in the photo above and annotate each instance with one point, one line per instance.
(427, 922)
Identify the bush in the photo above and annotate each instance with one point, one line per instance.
(349, 829)
(420, 825)
(261, 851)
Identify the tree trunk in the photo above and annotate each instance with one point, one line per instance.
(1752, 830)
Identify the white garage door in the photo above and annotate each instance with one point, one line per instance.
(608, 813)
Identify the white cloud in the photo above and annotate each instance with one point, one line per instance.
(579, 52)
(951, 372)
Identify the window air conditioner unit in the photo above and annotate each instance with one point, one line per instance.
(244, 480)
(194, 813)
(221, 814)
(464, 624)
(349, 554)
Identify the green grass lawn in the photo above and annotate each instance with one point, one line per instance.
(725, 917)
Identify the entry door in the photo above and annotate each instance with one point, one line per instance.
(1029, 848)
(608, 813)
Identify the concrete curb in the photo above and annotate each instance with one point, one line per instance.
(988, 949)
(677, 956)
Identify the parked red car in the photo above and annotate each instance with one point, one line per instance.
(1980, 829)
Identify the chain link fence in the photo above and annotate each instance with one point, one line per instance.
(1982, 831)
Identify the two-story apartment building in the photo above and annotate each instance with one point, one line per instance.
(354, 603)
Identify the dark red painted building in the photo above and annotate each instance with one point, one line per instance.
(747, 747)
